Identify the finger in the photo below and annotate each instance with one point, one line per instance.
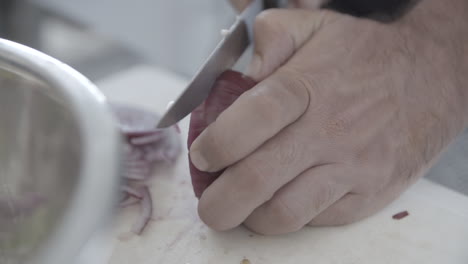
(348, 209)
(357, 206)
(240, 5)
(293, 206)
(278, 33)
(251, 120)
(267, 108)
(228, 201)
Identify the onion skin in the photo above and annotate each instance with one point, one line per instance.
(226, 89)
(400, 215)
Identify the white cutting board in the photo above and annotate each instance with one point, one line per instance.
(435, 232)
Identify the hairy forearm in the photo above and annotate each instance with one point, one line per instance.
(449, 15)
(446, 24)
(370, 8)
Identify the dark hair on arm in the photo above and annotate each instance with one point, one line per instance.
(384, 10)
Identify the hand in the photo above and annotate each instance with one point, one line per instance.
(348, 113)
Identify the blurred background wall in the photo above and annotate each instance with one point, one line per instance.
(99, 37)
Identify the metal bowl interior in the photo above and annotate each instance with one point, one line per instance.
(39, 163)
(58, 158)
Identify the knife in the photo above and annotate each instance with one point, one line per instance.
(228, 51)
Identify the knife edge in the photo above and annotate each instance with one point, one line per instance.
(224, 56)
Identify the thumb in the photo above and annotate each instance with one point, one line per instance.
(278, 33)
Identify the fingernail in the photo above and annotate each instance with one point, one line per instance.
(255, 67)
(199, 160)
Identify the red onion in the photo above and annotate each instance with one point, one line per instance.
(227, 88)
(146, 146)
(400, 215)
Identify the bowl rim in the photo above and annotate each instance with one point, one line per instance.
(91, 205)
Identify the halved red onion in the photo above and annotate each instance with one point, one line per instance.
(227, 88)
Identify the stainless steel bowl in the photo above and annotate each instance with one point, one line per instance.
(58, 158)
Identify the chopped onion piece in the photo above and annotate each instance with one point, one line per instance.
(144, 146)
(132, 192)
(146, 212)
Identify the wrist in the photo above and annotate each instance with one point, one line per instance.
(439, 30)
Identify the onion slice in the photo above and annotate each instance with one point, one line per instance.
(132, 192)
(128, 202)
(146, 211)
(145, 147)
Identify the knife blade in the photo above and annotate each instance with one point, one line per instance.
(228, 51)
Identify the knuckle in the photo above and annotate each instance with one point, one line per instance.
(288, 150)
(327, 16)
(219, 149)
(324, 197)
(336, 127)
(284, 96)
(285, 218)
(296, 86)
(271, 26)
(267, 19)
(256, 174)
(210, 218)
(267, 105)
